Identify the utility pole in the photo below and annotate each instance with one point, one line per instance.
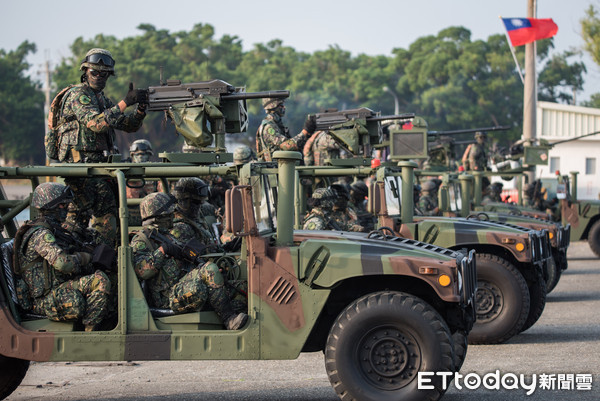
(530, 90)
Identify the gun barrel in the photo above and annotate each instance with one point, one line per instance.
(405, 116)
(279, 94)
(470, 130)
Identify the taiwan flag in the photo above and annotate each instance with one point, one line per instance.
(526, 30)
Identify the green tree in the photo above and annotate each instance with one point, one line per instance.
(21, 109)
(590, 29)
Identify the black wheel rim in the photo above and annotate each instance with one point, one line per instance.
(389, 358)
(489, 301)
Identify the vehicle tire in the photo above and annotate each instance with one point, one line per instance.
(459, 339)
(380, 342)
(553, 271)
(12, 372)
(501, 302)
(594, 238)
(537, 300)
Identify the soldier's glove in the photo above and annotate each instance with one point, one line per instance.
(134, 96)
(172, 250)
(84, 260)
(310, 125)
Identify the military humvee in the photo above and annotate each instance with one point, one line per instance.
(380, 308)
(451, 204)
(512, 291)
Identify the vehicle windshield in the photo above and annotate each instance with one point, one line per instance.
(455, 197)
(393, 194)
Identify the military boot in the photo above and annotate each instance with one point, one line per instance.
(220, 301)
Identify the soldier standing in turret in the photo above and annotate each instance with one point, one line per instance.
(272, 135)
(87, 135)
(475, 158)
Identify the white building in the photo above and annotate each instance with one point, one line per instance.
(557, 122)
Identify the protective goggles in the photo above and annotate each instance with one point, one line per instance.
(99, 58)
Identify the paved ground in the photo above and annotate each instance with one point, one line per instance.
(564, 341)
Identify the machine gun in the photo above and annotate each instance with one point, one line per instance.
(203, 110)
(356, 129)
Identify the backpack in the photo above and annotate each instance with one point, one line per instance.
(52, 138)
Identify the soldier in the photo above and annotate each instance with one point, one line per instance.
(272, 135)
(61, 285)
(475, 157)
(172, 281)
(427, 203)
(344, 217)
(140, 151)
(321, 206)
(496, 192)
(320, 147)
(190, 222)
(87, 134)
(358, 205)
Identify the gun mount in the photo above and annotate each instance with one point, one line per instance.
(205, 110)
(357, 130)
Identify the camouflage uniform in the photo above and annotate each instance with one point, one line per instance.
(88, 135)
(343, 216)
(140, 151)
(320, 147)
(477, 158)
(321, 204)
(272, 135)
(59, 283)
(173, 282)
(427, 205)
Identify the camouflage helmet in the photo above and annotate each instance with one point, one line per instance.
(428, 186)
(49, 195)
(141, 145)
(480, 134)
(191, 187)
(242, 155)
(157, 204)
(497, 186)
(324, 197)
(271, 103)
(98, 59)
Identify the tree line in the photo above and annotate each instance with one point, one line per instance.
(451, 80)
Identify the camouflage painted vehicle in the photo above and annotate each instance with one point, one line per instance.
(381, 308)
(511, 259)
(512, 290)
(450, 197)
(582, 215)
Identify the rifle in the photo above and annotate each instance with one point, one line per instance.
(355, 129)
(103, 256)
(191, 106)
(190, 251)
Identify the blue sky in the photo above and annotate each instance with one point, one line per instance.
(370, 27)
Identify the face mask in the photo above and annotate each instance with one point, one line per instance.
(97, 79)
(140, 157)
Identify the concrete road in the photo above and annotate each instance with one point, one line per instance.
(565, 341)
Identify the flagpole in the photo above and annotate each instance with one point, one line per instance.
(512, 50)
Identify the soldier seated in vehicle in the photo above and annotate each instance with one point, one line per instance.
(140, 151)
(61, 283)
(343, 216)
(358, 204)
(172, 280)
(320, 207)
(428, 205)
